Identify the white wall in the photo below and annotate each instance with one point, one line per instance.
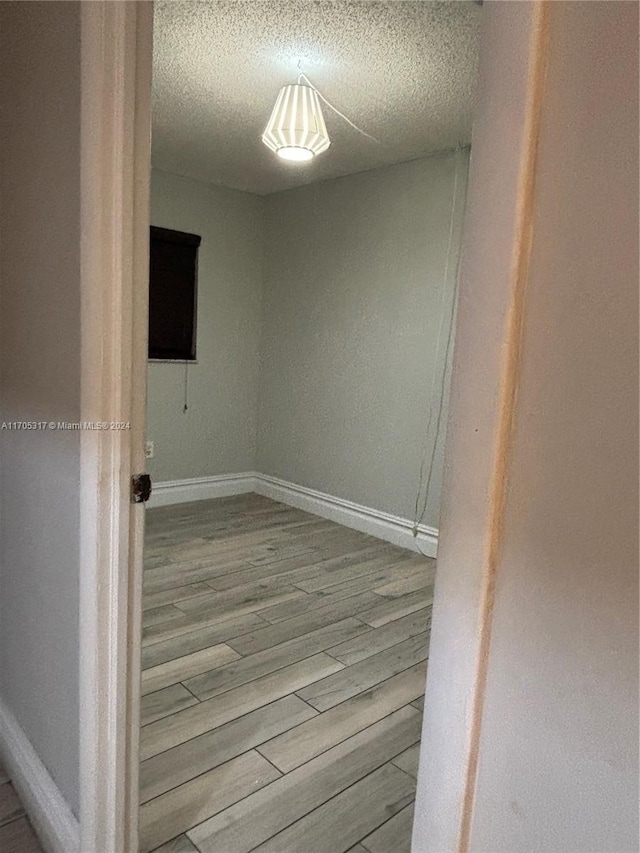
(558, 731)
(353, 295)
(40, 378)
(217, 435)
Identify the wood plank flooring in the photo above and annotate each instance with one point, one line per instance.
(284, 662)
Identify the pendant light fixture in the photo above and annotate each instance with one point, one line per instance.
(296, 130)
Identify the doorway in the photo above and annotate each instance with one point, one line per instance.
(71, 536)
(296, 447)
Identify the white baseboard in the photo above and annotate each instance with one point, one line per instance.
(385, 526)
(201, 488)
(54, 822)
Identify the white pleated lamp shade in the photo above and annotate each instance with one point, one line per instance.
(296, 129)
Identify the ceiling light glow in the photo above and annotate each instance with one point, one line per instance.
(296, 130)
(291, 152)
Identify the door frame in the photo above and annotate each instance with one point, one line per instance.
(496, 255)
(116, 59)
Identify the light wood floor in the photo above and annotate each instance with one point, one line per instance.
(16, 834)
(284, 661)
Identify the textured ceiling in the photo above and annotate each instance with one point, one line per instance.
(403, 71)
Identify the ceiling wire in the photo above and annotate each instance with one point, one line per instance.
(420, 510)
(303, 76)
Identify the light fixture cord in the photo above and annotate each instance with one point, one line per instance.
(302, 76)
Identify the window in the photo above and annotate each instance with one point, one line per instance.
(173, 273)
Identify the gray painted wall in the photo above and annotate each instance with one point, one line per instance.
(217, 435)
(353, 295)
(319, 311)
(40, 378)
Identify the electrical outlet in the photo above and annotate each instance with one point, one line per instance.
(148, 449)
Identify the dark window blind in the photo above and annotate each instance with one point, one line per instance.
(173, 273)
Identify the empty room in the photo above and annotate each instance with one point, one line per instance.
(307, 195)
(350, 337)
